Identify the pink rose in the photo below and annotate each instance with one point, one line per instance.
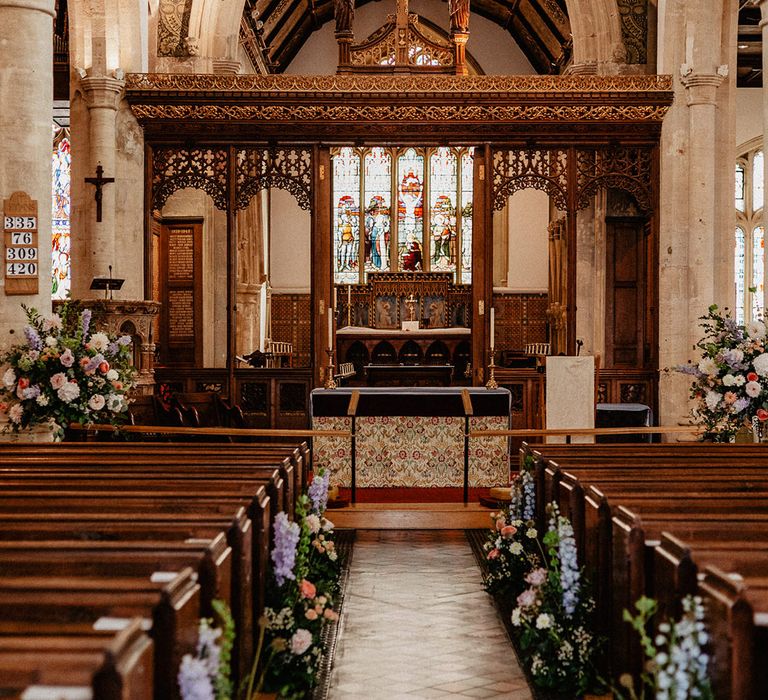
(58, 380)
(493, 554)
(536, 577)
(310, 614)
(67, 358)
(508, 531)
(752, 389)
(500, 523)
(307, 589)
(329, 614)
(84, 362)
(526, 598)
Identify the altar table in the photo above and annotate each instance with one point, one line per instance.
(412, 437)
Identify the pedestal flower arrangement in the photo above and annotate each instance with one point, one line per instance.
(730, 382)
(64, 373)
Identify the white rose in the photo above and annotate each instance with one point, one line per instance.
(760, 363)
(115, 403)
(712, 398)
(708, 366)
(516, 621)
(752, 389)
(729, 380)
(99, 342)
(9, 378)
(300, 641)
(69, 392)
(756, 330)
(96, 402)
(112, 375)
(543, 621)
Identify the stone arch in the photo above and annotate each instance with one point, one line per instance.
(216, 26)
(597, 42)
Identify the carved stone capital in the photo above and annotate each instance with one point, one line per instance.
(44, 6)
(102, 91)
(582, 68)
(701, 88)
(226, 66)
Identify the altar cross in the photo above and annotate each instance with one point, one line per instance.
(99, 181)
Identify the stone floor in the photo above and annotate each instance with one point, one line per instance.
(417, 623)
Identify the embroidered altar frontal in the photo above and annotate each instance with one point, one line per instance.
(412, 437)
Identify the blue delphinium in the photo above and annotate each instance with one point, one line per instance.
(284, 552)
(318, 492)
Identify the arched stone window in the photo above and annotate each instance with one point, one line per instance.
(749, 238)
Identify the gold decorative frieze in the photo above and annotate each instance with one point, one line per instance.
(501, 86)
(399, 113)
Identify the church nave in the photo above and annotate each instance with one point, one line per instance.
(417, 623)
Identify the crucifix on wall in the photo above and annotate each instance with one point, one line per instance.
(99, 181)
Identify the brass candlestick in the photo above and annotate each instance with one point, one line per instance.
(330, 382)
(491, 383)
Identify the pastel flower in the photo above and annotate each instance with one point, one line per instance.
(330, 614)
(42, 400)
(307, 589)
(51, 342)
(516, 619)
(67, 358)
(16, 412)
(536, 577)
(760, 363)
(493, 554)
(708, 366)
(756, 330)
(516, 548)
(9, 378)
(508, 531)
(752, 389)
(712, 398)
(104, 367)
(526, 598)
(300, 641)
(729, 397)
(33, 339)
(58, 380)
(112, 375)
(99, 342)
(116, 404)
(327, 525)
(311, 614)
(52, 323)
(729, 380)
(194, 680)
(313, 523)
(69, 392)
(96, 402)
(531, 533)
(500, 523)
(543, 621)
(762, 414)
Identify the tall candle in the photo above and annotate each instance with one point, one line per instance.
(349, 295)
(330, 329)
(493, 327)
(335, 299)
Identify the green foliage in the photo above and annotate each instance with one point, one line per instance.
(223, 683)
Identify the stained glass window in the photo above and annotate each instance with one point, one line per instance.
(758, 271)
(346, 216)
(410, 210)
(466, 216)
(413, 207)
(738, 265)
(443, 179)
(61, 198)
(378, 199)
(749, 253)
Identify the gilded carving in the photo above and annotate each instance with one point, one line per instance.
(173, 28)
(289, 168)
(203, 168)
(501, 86)
(545, 170)
(625, 168)
(399, 113)
(633, 15)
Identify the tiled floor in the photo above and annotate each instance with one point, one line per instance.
(417, 623)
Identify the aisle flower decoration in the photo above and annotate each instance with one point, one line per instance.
(306, 570)
(553, 615)
(730, 382)
(676, 666)
(65, 373)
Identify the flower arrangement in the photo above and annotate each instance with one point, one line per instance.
(730, 382)
(676, 663)
(553, 615)
(64, 373)
(206, 675)
(306, 572)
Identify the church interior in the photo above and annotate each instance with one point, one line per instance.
(383, 349)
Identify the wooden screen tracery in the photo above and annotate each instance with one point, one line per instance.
(203, 167)
(540, 169)
(286, 167)
(626, 168)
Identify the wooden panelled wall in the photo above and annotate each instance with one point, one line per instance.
(292, 323)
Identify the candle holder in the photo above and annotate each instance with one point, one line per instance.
(330, 382)
(491, 383)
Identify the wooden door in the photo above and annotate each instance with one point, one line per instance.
(181, 293)
(626, 331)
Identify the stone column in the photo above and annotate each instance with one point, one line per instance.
(102, 96)
(700, 90)
(763, 4)
(26, 94)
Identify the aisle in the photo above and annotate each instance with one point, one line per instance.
(417, 623)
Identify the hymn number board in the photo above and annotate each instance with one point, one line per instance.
(22, 264)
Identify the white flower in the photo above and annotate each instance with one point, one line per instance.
(9, 378)
(16, 412)
(516, 621)
(67, 358)
(327, 525)
(300, 641)
(194, 681)
(42, 400)
(543, 621)
(54, 322)
(760, 363)
(58, 380)
(712, 398)
(729, 380)
(96, 402)
(531, 533)
(333, 556)
(516, 548)
(756, 330)
(99, 342)
(112, 375)
(708, 366)
(752, 389)
(313, 523)
(115, 403)
(69, 392)
(50, 341)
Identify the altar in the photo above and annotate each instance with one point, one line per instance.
(412, 437)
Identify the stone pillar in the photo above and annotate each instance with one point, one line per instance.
(102, 96)
(763, 4)
(26, 94)
(701, 97)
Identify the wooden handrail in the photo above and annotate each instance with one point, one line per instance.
(522, 432)
(224, 432)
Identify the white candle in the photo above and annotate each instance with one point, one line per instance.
(349, 295)
(330, 329)
(493, 328)
(335, 299)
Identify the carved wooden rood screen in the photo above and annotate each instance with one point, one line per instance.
(233, 135)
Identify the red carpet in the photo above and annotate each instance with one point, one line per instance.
(414, 495)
